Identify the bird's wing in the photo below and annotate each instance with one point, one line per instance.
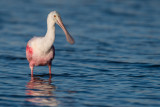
(29, 52)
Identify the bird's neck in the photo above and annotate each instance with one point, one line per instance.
(50, 35)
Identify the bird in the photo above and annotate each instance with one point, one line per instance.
(40, 50)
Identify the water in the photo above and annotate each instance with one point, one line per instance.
(115, 61)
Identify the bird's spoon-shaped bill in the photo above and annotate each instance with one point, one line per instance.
(68, 36)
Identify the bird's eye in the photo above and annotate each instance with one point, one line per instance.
(54, 15)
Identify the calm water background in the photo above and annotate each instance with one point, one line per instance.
(114, 63)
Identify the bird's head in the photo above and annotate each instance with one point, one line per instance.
(54, 17)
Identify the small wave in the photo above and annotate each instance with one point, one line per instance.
(136, 76)
(9, 57)
(151, 66)
(54, 75)
(61, 75)
(119, 13)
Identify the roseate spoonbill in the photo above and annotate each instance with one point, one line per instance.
(40, 50)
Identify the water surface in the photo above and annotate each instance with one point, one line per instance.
(115, 61)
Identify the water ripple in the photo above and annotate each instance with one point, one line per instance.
(115, 60)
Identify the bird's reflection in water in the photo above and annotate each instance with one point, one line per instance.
(41, 91)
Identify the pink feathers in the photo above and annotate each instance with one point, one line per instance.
(29, 50)
(29, 53)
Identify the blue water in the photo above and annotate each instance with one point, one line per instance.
(114, 63)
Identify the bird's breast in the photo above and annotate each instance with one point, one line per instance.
(44, 58)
